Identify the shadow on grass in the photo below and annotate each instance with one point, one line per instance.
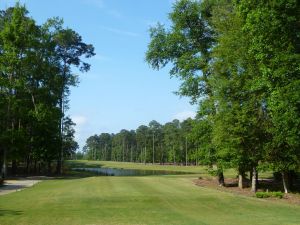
(4, 212)
(265, 184)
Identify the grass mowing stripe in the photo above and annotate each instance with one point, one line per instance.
(137, 200)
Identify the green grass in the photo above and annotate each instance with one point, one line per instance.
(137, 200)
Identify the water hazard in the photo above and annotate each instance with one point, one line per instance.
(128, 172)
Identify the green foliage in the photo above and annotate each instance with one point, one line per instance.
(240, 61)
(269, 194)
(36, 64)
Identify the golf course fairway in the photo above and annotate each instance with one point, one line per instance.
(171, 199)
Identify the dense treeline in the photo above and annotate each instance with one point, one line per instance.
(155, 143)
(239, 61)
(36, 63)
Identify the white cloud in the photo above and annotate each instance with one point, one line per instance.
(81, 129)
(184, 115)
(120, 32)
(79, 120)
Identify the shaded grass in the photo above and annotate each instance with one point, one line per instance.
(137, 200)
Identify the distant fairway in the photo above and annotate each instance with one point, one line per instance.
(138, 200)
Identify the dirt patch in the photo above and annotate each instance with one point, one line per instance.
(232, 187)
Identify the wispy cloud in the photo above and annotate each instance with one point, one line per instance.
(120, 32)
(115, 13)
(102, 6)
(184, 115)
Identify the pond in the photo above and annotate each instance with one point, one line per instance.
(127, 172)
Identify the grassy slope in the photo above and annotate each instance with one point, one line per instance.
(137, 200)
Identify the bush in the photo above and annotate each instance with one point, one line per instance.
(277, 194)
(262, 194)
(1, 181)
(269, 194)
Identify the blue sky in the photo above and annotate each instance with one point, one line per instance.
(121, 90)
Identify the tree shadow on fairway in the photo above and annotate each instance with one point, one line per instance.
(4, 212)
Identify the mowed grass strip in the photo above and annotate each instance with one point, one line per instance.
(137, 200)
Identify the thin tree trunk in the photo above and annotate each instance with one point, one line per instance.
(186, 159)
(4, 165)
(221, 179)
(49, 167)
(14, 167)
(284, 181)
(174, 156)
(254, 180)
(241, 180)
(145, 154)
(153, 150)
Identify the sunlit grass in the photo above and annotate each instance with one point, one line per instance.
(137, 200)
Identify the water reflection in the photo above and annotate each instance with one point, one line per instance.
(127, 172)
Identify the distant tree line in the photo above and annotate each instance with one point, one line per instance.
(239, 61)
(36, 73)
(155, 143)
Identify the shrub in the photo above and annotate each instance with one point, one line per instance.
(269, 194)
(277, 194)
(262, 194)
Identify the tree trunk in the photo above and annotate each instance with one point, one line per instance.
(35, 166)
(14, 167)
(4, 166)
(284, 181)
(254, 180)
(49, 167)
(221, 179)
(58, 166)
(241, 181)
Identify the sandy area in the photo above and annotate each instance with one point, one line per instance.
(13, 185)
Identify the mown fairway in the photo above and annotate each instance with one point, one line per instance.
(137, 200)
